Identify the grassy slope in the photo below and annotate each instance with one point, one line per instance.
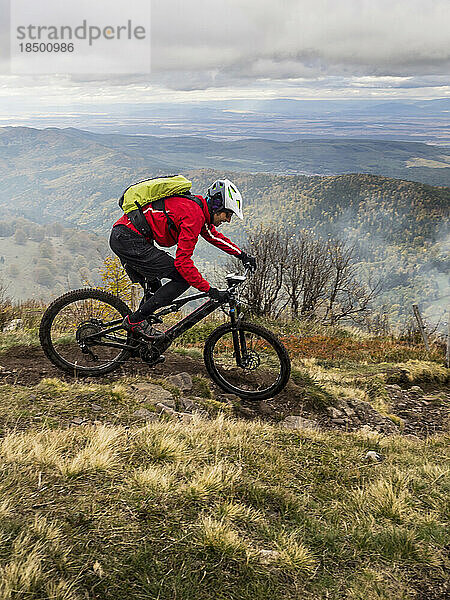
(22, 257)
(217, 508)
(20, 261)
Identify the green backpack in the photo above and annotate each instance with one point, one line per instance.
(154, 191)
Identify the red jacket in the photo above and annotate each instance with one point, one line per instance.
(190, 221)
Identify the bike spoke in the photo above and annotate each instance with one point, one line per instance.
(75, 323)
(260, 364)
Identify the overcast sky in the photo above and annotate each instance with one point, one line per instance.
(213, 50)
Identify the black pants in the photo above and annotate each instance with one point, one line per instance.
(143, 260)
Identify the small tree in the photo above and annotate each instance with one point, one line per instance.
(44, 276)
(55, 229)
(13, 270)
(6, 310)
(347, 297)
(263, 292)
(6, 229)
(114, 278)
(308, 276)
(74, 280)
(20, 237)
(37, 234)
(46, 249)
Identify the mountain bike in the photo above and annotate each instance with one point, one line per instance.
(81, 333)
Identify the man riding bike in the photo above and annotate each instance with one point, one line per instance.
(180, 222)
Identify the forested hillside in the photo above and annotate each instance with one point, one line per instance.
(43, 261)
(399, 228)
(51, 172)
(398, 211)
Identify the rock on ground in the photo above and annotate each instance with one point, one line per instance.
(422, 413)
(13, 325)
(146, 414)
(164, 409)
(297, 422)
(352, 414)
(153, 393)
(181, 380)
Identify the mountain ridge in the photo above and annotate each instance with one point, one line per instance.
(325, 156)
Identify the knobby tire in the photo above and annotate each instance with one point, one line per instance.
(240, 390)
(45, 331)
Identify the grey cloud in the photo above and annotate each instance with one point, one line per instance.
(401, 82)
(302, 38)
(226, 44)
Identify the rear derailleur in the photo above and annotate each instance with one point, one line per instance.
(83, 333)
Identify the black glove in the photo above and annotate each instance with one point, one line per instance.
(215, 294)
(248, 261)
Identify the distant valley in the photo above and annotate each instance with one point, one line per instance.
(49, 172)
(282, 119)
(399, 228)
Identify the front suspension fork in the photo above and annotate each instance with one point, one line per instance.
(239, 341)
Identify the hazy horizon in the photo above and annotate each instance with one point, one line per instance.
(281, 119)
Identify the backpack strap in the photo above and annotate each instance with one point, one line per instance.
(160, 205)
(138, 219)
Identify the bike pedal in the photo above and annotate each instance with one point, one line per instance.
(159, 360)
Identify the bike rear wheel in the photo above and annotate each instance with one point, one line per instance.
(69, 322)
(265, 364)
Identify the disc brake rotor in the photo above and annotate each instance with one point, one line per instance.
(251, 361)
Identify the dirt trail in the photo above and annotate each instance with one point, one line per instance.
(423, 413)
(28, 365)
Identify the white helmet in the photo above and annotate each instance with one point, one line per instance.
(224, 195)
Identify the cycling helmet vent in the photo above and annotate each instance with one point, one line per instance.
(224, 195)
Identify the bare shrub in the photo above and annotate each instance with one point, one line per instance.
(301, 275)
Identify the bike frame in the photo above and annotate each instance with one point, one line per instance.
(184, 325)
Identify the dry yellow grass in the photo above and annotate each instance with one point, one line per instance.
(264, 512)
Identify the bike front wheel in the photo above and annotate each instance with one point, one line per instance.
(71, 333)
(247, 360)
